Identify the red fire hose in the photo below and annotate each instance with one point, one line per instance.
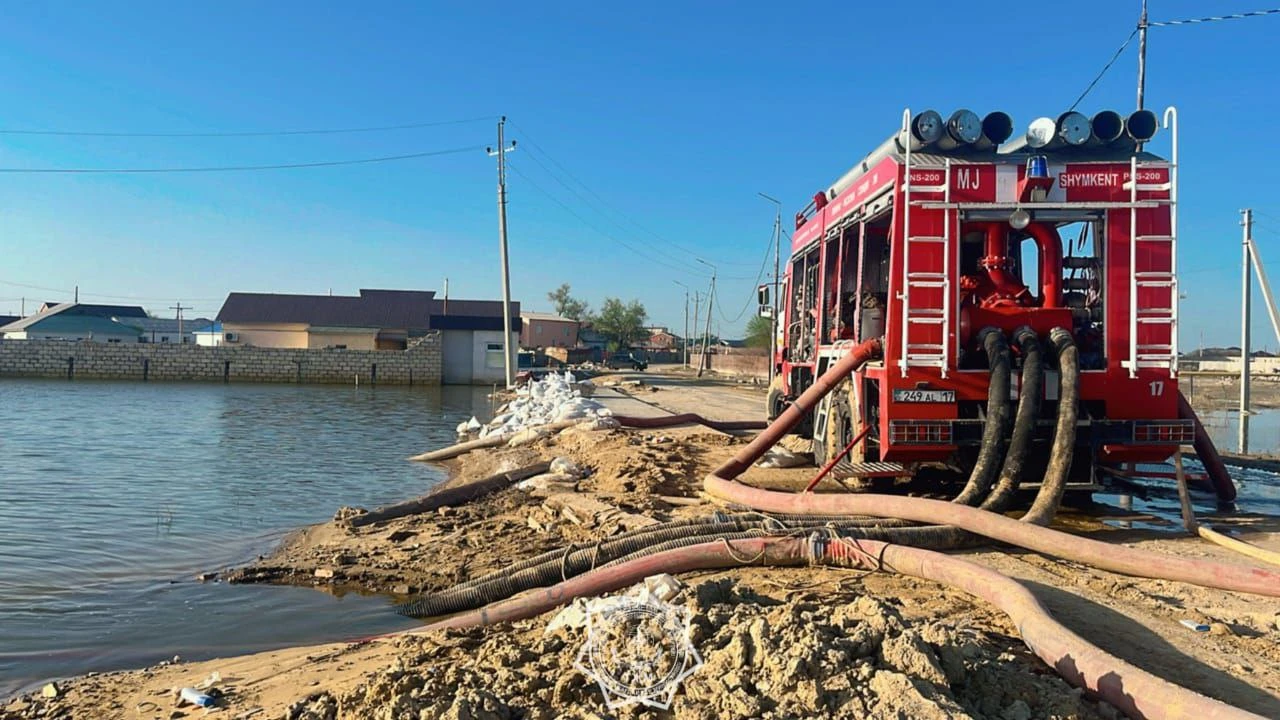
(721, 483)
(1134, 691)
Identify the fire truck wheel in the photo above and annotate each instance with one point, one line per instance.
(839, 425)
(774, 400)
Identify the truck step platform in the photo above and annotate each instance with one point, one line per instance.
(845, 469)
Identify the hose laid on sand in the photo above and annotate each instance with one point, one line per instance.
(456, 495)
(696, 525)
(463, 448)
(1135, 692)
(1240, 546)
(572, 561)
(721, 483)
(663, 421)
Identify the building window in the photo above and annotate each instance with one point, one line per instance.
(185, 339)
(537, 329)
(493, 355)
(164, 338)
(113, 340)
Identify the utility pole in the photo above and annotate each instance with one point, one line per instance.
(777, 265)
(24, 306)
(77, 295)
(711, 298)
(686, 321)
(1247, 223)
(502, 244)
(1142, 54)
(697, 303)
(445, 310)
(179, 308)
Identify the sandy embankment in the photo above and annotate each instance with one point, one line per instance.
(780, 642)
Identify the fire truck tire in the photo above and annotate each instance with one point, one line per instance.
(838, 431)
(775, 401)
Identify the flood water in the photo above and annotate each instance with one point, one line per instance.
(114, 495)
(1264, 430)
(1258, 491)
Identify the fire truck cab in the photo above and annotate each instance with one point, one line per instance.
(946, 232)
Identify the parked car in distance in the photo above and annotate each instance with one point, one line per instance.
(627, 360)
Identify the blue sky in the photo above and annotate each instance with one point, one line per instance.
(665, 118)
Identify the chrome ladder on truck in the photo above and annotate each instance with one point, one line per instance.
(1158, 355)
(926, 354)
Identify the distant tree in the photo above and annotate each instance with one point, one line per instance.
(758, 331)
(623, 324)
(566, 305)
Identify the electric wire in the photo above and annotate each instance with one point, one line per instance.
(763, 265)
(513, 168)
(64, 291)
(1215, 18)
(528, 139)
(250, 133)
(1104, 69)
(1167, 23)
(239, 168)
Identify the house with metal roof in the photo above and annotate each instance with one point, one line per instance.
(118, 311)
(165, 330)
(73, 321)
(471, 330)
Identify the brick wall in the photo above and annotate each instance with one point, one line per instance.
(418, 365)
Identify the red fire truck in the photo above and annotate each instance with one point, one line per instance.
(947, 233)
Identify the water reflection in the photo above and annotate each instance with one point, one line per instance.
(113, 490)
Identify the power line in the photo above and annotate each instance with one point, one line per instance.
(1105, 68)
(63, 291)
(602, 201)
(513, 168)
(763, 265)
(252, 133)
(609, 235)
(238, 168)
(1216, 18)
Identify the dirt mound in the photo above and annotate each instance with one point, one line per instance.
(764, 657)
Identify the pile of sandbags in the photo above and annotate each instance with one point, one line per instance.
(554, 398)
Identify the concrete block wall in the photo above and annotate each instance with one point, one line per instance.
(743, 365)
(418, 365)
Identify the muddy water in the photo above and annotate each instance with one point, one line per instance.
(114, 495)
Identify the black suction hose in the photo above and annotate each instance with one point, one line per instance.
(1024, 422)
(575, 560)
(984, 468)
(1064, 435)
(774, 521)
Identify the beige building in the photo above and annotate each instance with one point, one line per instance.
(471, 330)
(547, 330)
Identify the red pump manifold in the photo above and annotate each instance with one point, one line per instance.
(996, 263)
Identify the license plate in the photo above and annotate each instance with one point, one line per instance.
(924, 396)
